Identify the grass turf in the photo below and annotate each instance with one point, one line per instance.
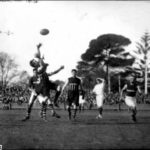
(115, 131)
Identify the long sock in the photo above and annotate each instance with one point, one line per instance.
(100, 110)
(69, 111)
(41, 113)
(30, 106)
(44, 109)
(29, 110)
(75, 112)
(56, 96)
(134, 111)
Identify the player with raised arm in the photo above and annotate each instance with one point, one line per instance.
(42, 69)
(99, 91)
(43, 87)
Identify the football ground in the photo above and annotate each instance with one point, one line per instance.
(115, 131)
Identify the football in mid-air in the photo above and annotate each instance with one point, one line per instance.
(44, 31)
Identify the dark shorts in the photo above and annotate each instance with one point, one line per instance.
(73, 97)
(52, 86)
(132, 94)
(38, 89)
(42, 89)
(45, 91)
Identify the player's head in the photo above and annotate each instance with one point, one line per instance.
(34, 63)
(74, 72)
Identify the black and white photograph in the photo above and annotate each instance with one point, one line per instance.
(74, 75)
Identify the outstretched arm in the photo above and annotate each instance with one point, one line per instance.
(139, 89)
(64, 86)
(125, 86)
(38, 50)
(52, 73)
(66, 83)
(38, 55)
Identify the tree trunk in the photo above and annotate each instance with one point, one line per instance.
(145, 91)
(146, 79)
(108, 75)
(119, 83)
(108, 80)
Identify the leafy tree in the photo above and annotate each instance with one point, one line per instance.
(107, 50)
(8, 68)
(142, 55)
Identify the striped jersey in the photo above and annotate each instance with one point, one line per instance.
(73, 84)
(131, 89)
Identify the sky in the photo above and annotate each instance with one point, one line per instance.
(72, 25)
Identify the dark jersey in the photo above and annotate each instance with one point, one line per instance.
(44, 79)
(74, 84)
(73, 91)
(44, 85)
(41, 84)
(131, 89)
(33, 82)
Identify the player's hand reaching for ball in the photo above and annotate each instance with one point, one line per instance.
(39, 45)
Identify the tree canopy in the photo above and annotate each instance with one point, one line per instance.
(9, 71)
(105, 42)
(105, 50)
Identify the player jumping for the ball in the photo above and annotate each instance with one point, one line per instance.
(40, 86)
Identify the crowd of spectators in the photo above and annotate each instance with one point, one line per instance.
(13, 94)
(20, 95)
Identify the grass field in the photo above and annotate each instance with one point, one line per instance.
(115, 131)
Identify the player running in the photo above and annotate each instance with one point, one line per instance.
(131, 88)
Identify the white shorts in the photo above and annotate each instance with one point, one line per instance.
(99, 100)
(81, 100)
(130, 101)
(41, 99)
(44, 99)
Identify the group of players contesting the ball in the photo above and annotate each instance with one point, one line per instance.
(40, 86)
